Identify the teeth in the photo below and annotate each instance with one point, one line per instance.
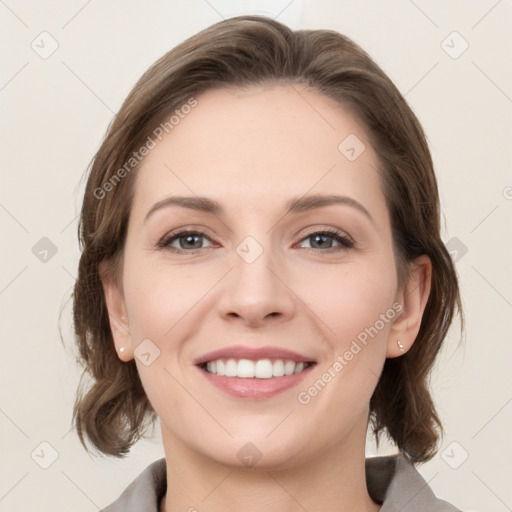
(289, 367)
(261, 369)
(278, 368)
(299, 367)
(230, 368)
(245, 368)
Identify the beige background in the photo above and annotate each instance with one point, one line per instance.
(54, 113)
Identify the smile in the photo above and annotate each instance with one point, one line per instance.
(260, 369)
(255, 380)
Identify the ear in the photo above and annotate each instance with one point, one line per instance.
(413, 299)
(114, 298)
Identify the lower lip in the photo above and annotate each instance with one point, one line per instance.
(255, 389)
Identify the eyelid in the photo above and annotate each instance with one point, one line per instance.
(164, 242)
(313, 230)
(344, 240)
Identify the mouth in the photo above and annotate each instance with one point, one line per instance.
(254, 373)
(255, 369)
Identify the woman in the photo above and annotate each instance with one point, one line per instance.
(263, 271)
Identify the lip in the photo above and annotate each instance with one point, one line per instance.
(255, 389)
(254, 354)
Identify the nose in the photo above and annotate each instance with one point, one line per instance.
(257, 293)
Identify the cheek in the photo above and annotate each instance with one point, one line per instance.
(160, 302)
(350, 298)
(355, 306)
(158, 297)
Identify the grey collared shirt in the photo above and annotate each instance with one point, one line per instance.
(392, 481)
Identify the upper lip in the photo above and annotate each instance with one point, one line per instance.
(254, 354)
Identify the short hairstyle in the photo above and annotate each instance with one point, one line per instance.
(111, 407)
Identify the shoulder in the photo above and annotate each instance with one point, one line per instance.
(395, 483)
(145, 492)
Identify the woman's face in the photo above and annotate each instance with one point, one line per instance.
(258, 271)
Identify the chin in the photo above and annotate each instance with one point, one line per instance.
(260, 453)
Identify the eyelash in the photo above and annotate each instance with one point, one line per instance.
(345, 241)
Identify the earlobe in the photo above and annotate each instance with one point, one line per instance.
(119, 325)
(413, 299)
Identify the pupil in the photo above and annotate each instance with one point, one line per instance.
(317, 237)
(190, 239)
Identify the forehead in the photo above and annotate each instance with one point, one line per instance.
(263, 143)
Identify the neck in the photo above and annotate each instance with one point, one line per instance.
(335, 481)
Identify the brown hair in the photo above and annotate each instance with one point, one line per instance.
(112, 410)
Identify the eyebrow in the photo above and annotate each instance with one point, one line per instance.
(296, 205)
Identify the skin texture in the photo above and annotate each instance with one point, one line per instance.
(252, 151)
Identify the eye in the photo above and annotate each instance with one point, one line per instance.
(186, 240)
(192, 241)
(323, 240)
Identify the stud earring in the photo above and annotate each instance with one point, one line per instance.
(121, 349)
(400, 345)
